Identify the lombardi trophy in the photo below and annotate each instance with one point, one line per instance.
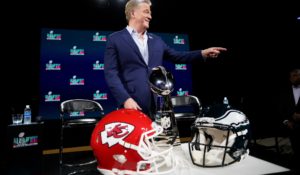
(162, 84)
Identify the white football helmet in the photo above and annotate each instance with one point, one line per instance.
(220, 137)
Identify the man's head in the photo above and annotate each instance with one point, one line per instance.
(295, 77)
(138, 14)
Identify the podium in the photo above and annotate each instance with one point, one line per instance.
(25, 150)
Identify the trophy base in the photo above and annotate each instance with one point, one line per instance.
(170, 134)
(170, 137)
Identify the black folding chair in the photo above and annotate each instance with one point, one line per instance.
(76, 113)
(186, 109)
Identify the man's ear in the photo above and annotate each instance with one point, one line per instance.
(132, 13)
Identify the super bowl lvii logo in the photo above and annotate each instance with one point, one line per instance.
(98, 66)
(76, 51)
(53, 36)
(180, 92)
(180, 67)
(76, 81)
(24, 141)
(52, 97)
(178, 40)
(99, 96)
(53, 66)
(98, 37)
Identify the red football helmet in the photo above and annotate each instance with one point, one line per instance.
(123, 143)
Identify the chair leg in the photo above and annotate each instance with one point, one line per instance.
(277, 145)
(61, 147)
(60, 159)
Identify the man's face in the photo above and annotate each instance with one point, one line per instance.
(142, 16)
(295, 77)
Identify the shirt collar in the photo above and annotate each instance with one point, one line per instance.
(296, 86)
(132, 30)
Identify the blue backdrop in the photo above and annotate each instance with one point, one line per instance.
(71, 66)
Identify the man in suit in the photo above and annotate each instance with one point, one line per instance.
(131, 54)
(289, 110)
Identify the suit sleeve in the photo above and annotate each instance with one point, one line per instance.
(112, 72)
(181, 56)
(298, 106)
(286, 106)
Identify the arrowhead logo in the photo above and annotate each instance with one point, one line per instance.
(114, 132)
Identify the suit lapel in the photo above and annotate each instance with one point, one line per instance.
(130, 41)
(150, 49)
(298, 106)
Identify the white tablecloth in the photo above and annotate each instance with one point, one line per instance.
(249, 166)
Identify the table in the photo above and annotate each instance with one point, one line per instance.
(24, 148)
(249, 166)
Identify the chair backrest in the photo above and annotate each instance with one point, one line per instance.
(186, 110)
(80, 107)
(186, 104)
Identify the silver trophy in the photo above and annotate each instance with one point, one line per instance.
(162, 84)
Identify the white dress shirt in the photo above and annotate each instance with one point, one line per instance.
(296, 92)
(141, 42)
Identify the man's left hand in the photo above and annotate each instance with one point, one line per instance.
(212, 52)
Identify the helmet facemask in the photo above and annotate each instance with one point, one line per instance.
(160, 157)
(221, 141)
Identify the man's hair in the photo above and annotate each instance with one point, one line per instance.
(132, 4)
(294, 70)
